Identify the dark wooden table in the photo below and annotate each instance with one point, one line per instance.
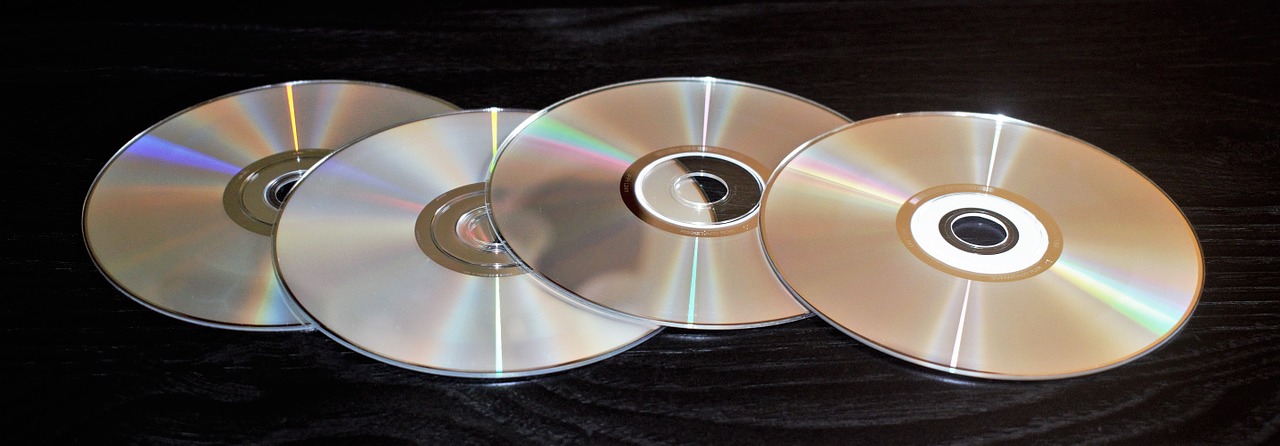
(1183, 91)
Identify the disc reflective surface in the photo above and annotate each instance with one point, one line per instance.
(387, 246)
(982, 245)
(642, 198)
(180, 218)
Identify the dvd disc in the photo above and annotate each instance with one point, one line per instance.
(641, 198)
(180, 218)
(387, 247)
(981, 245)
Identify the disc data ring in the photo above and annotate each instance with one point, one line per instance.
(981, 245)
(641, 198)
(180, 218)
(386, 246)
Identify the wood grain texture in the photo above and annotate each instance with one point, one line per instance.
(1183, 91)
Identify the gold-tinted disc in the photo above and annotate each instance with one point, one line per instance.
(874, 225)
(642, 198)
(387, 247)
(180, 218)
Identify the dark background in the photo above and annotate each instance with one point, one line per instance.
(1183, 91)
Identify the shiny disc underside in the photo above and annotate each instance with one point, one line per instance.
(387, 247)
(1091, 266)
(179, 219)
(642, 198)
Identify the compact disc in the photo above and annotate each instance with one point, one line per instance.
(642, 198)
(180, 218)
(387, 247)
(981, 245)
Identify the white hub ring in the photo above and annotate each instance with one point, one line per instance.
(1030, 248)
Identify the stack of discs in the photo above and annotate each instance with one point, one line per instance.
(495, 243)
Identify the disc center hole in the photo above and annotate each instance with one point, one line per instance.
(278, 189)
(476, 231)
(979, 231)
(700, 189)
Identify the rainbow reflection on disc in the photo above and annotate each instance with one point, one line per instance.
(981, 245)
(180, 218)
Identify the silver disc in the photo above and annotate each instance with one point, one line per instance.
(982, 245)
(387, 247)
(641, 198)
(180, 218)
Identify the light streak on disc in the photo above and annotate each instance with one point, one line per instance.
(293, 118)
